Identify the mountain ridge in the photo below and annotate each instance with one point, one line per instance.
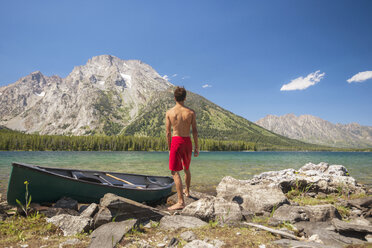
(312, 129)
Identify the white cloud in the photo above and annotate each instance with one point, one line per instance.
(175, 75)
(185, 77)
(206, 86)
(166, 77)
(301, 83)
(360, 77)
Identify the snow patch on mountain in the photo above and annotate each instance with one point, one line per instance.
(40, 94)
(127, 79)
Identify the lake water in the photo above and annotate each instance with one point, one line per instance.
(207, 170)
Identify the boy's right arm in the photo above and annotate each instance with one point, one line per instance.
(168, 130)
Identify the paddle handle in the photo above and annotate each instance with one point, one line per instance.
(125, 181)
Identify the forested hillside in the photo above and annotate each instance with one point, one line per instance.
(213, 122)
(13, 140)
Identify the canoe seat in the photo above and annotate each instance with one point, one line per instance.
(80, 176)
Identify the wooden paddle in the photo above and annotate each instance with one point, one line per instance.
(125, 181)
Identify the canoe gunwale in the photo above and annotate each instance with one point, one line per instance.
(44, 170)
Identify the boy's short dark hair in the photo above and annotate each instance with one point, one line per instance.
(180, 94)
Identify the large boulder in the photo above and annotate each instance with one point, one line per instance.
(327, 234)
(315, 213)
(343, 226)
(325, 212)
(291, 214)
(320, 177)
(256, 198)
(179, 221)
(202, 209)
(213, 208)
(71, 225)
(361, 203)
(108, 235)
(113, 206)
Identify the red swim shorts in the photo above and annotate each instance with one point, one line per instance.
(180, 153)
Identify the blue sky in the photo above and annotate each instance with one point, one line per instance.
(244, 50)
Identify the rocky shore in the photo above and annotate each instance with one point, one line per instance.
(319, 205)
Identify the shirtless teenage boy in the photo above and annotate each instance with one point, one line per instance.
(181, 118)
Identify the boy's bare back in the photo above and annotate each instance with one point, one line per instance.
(180, 118)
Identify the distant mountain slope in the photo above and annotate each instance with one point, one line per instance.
(315, 130)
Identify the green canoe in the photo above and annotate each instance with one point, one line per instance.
(86, 186)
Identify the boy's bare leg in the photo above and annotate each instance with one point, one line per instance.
(187, 182)
(178, 182)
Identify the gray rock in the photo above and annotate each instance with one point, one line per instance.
(103, 216)
(321, 167)
(212, 208)
(360, 221)
(299, 244)
(124, 208)
(325, 212)
(292, 214)
(71, 225)
(203, 209)
(188, 236)
(108, 235)
(179, 221)
(198, 244)
(342, 226)
(356, 212)
(315, 238)
(69, 242)
(317, 178)
(227, 212)
(327, 233)
(90, 211)
(50, 212)
(113, 206)
(361, 203)
(257, 198)
(67, 202)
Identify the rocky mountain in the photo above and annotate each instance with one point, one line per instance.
(112, 96)
(103, 96)
(315, 130)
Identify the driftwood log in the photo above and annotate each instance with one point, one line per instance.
(281, 233)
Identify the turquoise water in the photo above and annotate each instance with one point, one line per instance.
(207, 170)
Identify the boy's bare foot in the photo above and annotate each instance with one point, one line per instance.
(176, 206)
(186, 193)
